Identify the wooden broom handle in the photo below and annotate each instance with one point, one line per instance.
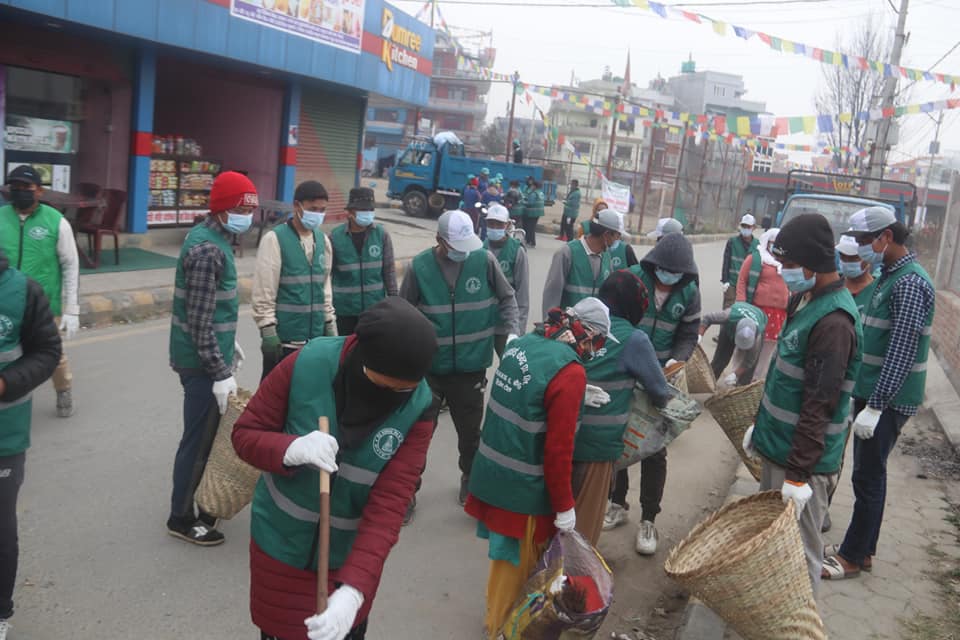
(323, 530)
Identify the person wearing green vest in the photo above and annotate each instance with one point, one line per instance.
(857, 273)
(370, 386)
(622, 255)
(512, 256)
(39, 242)
(521, 490)
(532, 211)
(513, 201)
(571, 211)
(736, 250)
(801, 425)
(292, 299)
(460, 288)
(741, 339)
(580, 266)
(203, 348)
(363, 265)
(896, 344)
(29, 352)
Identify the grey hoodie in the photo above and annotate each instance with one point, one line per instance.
(674, 253)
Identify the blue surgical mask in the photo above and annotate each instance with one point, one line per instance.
(238, 222)
(312, 219)
(616, 244)
(851, 269)
(746, 233)
(796, 281)
(496, 235)
(668, 278)
(364, 218)
(867, 254)
(457, 256)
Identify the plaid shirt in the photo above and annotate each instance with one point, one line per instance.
(911, 302)
(202, 269)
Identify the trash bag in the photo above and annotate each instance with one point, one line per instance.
(568, 595)
(650, 429)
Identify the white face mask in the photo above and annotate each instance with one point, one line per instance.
(746, 233)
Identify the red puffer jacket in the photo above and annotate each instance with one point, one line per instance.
(281, 596)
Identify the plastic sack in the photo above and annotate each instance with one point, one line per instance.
(568, 595)
(649, 430)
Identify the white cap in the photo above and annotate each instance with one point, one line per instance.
(871, 220)
(748, 220)
(609, 220)
(666, 226)
(847, 246)
(456, 228)
(596, 315)
(746, 336)
(622, 218)
(498, 212)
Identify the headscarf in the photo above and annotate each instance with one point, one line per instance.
(765, 240)
(563, 326)
(597, 206)
(626, 296)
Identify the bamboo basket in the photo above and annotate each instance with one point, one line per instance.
(735, 410)
(700, 378)
(228, 482)
(747, 563)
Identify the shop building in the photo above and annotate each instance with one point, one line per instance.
(154, 97)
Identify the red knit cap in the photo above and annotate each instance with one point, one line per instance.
(231, 189)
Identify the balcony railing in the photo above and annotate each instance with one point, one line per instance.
(477, 106)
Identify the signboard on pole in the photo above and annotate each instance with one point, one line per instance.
(617, 196)
(338, 23)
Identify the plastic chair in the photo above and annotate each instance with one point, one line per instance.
(87, 215)
(109, 225)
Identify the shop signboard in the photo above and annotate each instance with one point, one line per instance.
(400, 46)
(338, 23)
(22, 133)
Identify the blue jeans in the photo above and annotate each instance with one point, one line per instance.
(870, 485)
(201, 417)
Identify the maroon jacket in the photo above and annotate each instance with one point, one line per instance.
(281, 596)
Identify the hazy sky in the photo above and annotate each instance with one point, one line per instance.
(546, 45)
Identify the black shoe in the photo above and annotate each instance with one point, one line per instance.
(196, 532)
(209, 521)
(408, 516)
(464, 489)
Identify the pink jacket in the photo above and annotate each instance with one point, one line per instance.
(771, 289)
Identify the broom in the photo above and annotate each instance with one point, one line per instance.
(323, 531)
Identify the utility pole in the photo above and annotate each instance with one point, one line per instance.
(676, 183)
(934, 149)
(416, 121)
(646, 179)
(613, 137)
(513, 103)
(703, 169)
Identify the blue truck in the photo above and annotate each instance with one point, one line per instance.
(429, 179)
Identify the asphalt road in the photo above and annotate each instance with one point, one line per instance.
(96, 561)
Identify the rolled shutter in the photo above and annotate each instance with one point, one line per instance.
(329, 144)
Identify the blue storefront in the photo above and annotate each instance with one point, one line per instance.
(153, 97)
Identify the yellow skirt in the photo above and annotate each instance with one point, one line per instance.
(506, 580)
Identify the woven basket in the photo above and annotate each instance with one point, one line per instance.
(735, 410)
(228, 482)
(747, 563)
(700, 378)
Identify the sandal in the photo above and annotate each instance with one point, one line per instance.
(833, 570)
(834, 550)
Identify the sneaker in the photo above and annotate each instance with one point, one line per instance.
(647, 538)
(615, 516)
(64, 404)
(4, 628)
(196, 533)
(827, 523)
(464, 489)
(208, 520)
(408, 516)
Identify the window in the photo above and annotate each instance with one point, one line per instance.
(583, 148)
(386, 115)
(425, 159)
(623, 152)
(674, 136)
(593, 123)
(409, 157)
(671, 160)
(719, 92)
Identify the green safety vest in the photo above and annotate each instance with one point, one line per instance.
(533, 206)
(756, 265)
(661, 326)
(581, 282)
(783, 392)
(738, 254)
(863, 298)
(506, 255)
(31, 247)
(14, 415)
(618, 257)
(464, 317)
(284, 515)
(741, 310)
(876, 339)
(600, 437)
(507, 471)
(183, 352)
(571, 206)
(357, 282)
(300, 299)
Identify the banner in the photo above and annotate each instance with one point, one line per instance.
(617, 196)
(21, 133)
(338, 23)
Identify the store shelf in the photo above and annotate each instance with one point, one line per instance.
(179, 187)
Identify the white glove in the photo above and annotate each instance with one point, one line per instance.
(222, 390)
(238, 357)
(725, 286)
(316, 449)
(670, 363)
(800, 494)
(730, 380)
(699, 338)
(566, 520)
(748, 447)
(595, 397)
(511, 337)
(866, 423)
(335, 623)
(71, 324)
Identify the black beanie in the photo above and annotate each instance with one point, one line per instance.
(395, 339)
(808, 241)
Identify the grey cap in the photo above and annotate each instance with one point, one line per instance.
(609, 220)
(871, 220)
(456, 228)
(593, 313)
(666, 226)
(746, 336)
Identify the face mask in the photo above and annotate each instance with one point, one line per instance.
(496, 235)
(364, 218)
(851, 269)
(616, 244)
(746, 233)
(22, 198)
(796, 281)
(668, 278)
(312, 219)
(457, 256)
(238, 222)
(867, 254)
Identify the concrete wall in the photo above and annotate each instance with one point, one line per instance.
(946, 333)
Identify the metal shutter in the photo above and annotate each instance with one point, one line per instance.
(329, 144)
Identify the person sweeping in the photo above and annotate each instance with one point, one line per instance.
(371, 387)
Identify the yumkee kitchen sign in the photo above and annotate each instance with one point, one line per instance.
(400, 46)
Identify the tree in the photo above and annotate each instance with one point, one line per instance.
(493, 140)
(852, 90)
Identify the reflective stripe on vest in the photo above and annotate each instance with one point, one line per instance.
(580, 280)
(301, 298)
(12, 355)
(357, 277)
(508, 462)
(530, 426)
(661, 326)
